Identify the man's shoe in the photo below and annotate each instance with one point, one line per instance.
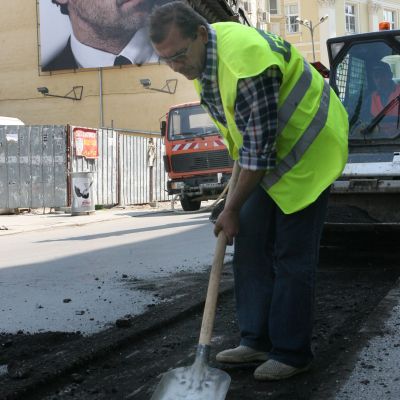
(241, 354)
(273, 370)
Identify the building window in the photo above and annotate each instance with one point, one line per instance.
(390, 16)
(292, 13)
(247, 6)
(351, 18)
(263, 17)
(273, 7)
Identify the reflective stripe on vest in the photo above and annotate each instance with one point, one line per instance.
(303, 143)
(289, 106)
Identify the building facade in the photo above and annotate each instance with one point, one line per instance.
(339, 17)
(126, 97)
(123, 97)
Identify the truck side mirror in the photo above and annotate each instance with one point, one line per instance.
(163, 128)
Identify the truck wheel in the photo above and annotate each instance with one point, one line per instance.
(190, 205)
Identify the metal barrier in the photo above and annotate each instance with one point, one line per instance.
(36, 163)
(33, 166)
(128, 170)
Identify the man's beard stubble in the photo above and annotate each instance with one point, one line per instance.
(122, 23)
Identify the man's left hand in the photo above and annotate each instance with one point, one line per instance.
(228, 222)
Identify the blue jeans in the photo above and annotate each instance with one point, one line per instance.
(275, 261)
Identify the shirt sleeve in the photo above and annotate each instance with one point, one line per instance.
(256, 116)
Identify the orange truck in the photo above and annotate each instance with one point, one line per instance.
(196, 159)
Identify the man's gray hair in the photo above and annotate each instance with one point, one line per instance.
(174, 13)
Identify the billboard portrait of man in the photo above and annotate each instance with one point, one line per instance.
(99, 33)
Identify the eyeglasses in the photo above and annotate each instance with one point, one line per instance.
(180, 56)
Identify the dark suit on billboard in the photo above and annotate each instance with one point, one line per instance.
(63, 60)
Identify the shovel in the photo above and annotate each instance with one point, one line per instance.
(199, 381)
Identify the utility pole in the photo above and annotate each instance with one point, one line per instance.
(308, 24)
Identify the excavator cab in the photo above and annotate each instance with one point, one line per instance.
(365, 73)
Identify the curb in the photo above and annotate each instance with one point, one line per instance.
(7, 232)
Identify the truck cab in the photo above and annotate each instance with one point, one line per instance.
(365, 73)
(196, 159)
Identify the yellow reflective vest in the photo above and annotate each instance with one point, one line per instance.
(312, 123)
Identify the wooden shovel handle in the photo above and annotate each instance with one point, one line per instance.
(210, 306)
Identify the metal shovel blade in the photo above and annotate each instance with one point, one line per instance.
(198, 382)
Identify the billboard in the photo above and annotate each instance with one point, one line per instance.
(85, 141)
(96, 33)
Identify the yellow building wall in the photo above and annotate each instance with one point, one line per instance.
(307, 10)
(369, 14)
(126, 104)
(340, 19)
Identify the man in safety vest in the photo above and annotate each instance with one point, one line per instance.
(288, 131)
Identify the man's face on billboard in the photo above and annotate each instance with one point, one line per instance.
(110, 17)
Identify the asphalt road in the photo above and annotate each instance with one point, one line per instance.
(79, 278)
(82, 278)
(127, 363)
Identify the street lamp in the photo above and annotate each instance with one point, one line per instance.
(308, 24)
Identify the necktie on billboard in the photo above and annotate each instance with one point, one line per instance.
(121, 60)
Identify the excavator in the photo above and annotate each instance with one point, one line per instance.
(365, 200)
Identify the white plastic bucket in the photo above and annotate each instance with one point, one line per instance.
(82, 193)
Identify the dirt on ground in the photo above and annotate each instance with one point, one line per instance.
(127, 361)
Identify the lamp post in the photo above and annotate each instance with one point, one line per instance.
(308, 24)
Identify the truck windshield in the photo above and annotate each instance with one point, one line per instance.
(189, 122)
(367, 80)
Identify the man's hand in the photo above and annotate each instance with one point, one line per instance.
(228, 222)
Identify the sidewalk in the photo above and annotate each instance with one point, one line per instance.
(36, 219)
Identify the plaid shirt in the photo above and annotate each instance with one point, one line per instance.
(256, 109)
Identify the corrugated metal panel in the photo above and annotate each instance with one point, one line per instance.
(161, 176)
(107, 168)
(104, 168)
(33, 166)
(12, 160)
(137, 166)
(122, 170)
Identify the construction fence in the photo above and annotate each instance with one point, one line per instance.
(36, 163)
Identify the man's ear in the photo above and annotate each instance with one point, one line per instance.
(203, 33)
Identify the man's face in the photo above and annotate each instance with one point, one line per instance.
(111, 17)
(184, 55)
